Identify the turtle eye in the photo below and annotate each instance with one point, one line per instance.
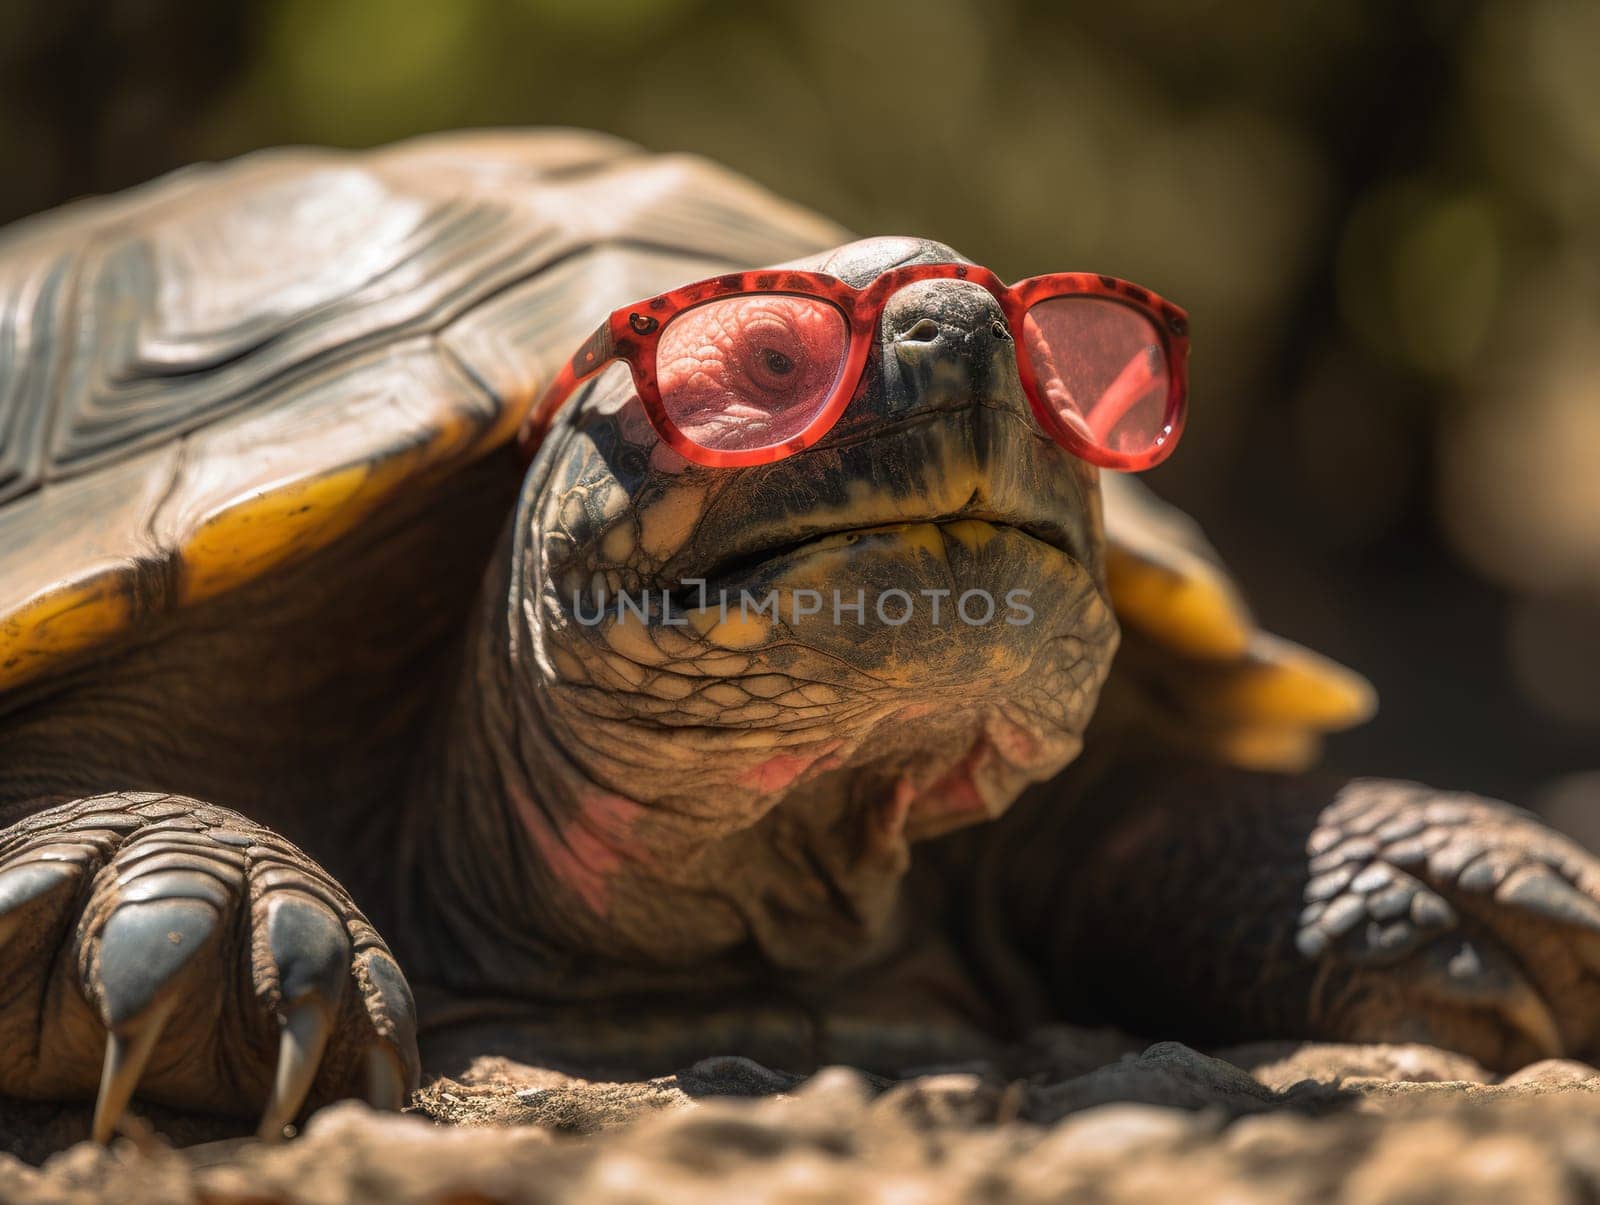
(749, 372)
(1101, 368)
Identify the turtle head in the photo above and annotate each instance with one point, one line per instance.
(813, 662)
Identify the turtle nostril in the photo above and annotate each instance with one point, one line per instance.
(925, 331)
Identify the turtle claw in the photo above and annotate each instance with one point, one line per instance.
(306, 1027)
(127, 1054)
(386, 1080)
(143, 952)
(391, 1068)
(309, 947)
(144, 949)
(312, 955)
(26, 889)
(1457, 970)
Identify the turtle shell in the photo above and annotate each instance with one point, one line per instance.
(222, 371)
(1206, 676)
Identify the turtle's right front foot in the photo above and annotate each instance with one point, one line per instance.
(151, 943)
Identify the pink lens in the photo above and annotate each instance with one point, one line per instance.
(751, 371)
(1101, 367)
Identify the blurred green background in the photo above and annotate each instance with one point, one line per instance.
(1384, 219)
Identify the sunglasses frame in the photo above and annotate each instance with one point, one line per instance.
(632, 332)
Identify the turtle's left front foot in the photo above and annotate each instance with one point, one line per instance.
(1453, 920)
(1221, 906)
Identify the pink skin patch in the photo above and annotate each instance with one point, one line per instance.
(891, 817)
(956, 799)
(613, 817)
(782, 770)
(1013, 742)
(583, 853)
(664, 460)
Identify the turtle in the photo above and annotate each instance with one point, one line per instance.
(306, 748)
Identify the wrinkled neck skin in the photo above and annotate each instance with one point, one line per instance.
(692, 795)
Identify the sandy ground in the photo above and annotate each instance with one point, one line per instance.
(1260, 1124)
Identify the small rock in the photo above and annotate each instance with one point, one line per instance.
(842, 1088)
(1553, 1071)
(929, 1102)
(1123, 1131)
(1271, 1137)
(1280, 1065)
(733, 1075)
(1436, 1160)
(1168, 1073)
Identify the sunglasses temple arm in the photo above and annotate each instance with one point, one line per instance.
(597, 352)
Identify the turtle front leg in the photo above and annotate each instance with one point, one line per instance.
(1220, 905)
(151, 943)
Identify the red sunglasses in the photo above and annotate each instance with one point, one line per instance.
(749, 368)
